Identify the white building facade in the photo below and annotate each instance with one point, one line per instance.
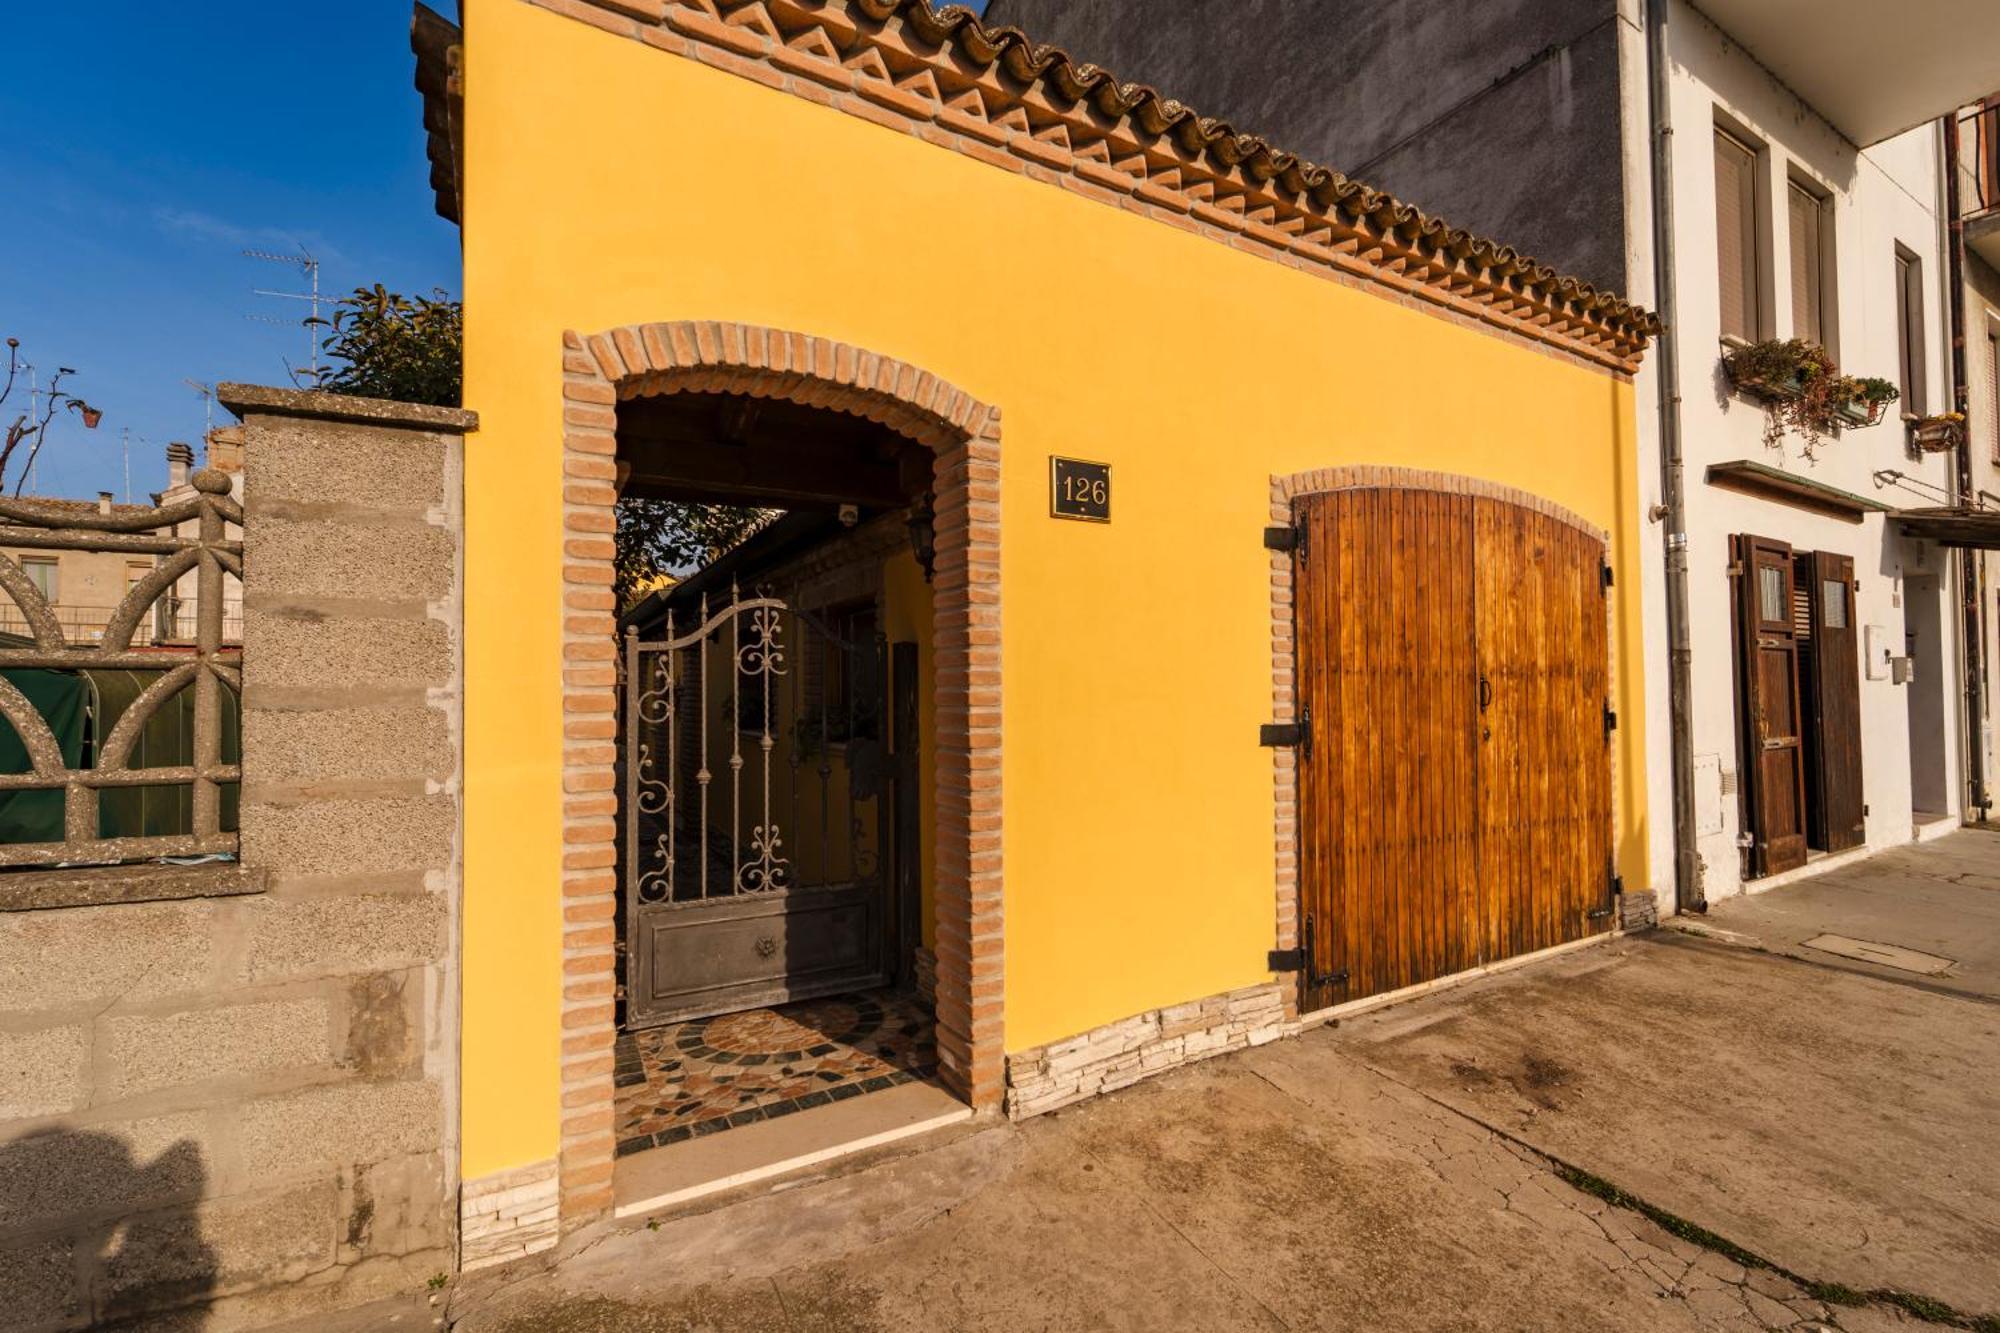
(1784, 227)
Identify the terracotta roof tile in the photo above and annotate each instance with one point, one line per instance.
(999, 85)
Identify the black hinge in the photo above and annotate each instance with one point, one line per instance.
(1301, 960)
(1286, 539)
(1616, 883)
(1610, 719)
(1604, 573)
(1299, 733)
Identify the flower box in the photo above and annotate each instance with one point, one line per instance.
(1770, 387)
(1938, 434)
(1859, 411)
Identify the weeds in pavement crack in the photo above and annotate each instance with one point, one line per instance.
(1927, 1308)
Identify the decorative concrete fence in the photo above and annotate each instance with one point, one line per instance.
(231, 1084)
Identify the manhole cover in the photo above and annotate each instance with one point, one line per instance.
(1887, 955)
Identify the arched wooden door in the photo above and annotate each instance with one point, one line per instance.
(1455, 800)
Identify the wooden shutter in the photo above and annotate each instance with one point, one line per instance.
(1831, 662)
(1993, 391)
(1807, 217)
(1768, 697)
(1736, 236)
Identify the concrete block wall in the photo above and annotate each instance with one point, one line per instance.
(238, 1095)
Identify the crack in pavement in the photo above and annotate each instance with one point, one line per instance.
(1145, 1194)
(1720, 1266)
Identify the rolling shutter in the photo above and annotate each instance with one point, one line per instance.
(1736, 236)
(1807, 215)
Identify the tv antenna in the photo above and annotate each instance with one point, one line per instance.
(207, 392)
(308, 268)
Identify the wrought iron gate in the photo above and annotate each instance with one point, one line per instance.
(755, 814)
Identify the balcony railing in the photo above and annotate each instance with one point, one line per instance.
(205, 668)
(168, 625)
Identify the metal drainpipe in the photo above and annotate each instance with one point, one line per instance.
(1973, 663)
(1680, 652)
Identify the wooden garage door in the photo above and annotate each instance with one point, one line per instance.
(1455, 801)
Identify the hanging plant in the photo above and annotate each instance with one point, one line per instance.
(1776, 370)
(1938, 434)
(1863, 401)
(1804, 392)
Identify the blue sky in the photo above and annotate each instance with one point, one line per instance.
(144, 146)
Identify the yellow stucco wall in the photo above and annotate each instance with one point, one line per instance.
(611, 184)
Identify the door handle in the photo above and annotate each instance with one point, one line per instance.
(1485, 693)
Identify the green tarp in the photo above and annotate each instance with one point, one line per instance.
(62, 698)
(82, 707)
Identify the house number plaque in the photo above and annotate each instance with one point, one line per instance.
(1080, 490)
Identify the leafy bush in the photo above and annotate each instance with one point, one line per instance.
(409, 348)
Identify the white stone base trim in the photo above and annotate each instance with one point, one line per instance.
(1122, 1053)
(508, 1215)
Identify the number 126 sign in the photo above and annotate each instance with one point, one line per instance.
(1080, 490)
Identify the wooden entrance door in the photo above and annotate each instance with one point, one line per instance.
(1454, 805)
(1767, 670)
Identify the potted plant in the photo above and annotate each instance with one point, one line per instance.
(1862, 400)
(1939, 433)
(1776, 370)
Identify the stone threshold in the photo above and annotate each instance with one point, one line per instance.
(648, 1182)
(1355, 1008)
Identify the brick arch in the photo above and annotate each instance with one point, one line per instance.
(599, 371)
(1284, 654)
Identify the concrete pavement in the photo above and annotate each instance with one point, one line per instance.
(1661, 1132)
(1940, 898)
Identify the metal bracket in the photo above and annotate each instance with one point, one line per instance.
(1301, 960)
(1610, 719)
(1604, 573)
(1616, 883)
(1299, 733)
(1291, 539)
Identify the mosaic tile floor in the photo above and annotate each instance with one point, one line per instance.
(711, 1074)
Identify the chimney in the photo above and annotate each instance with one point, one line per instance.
(104, 502)
(225, 449)
(180, 457)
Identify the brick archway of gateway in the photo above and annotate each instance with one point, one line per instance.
(600, 370)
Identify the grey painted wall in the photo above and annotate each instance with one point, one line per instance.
(1502, 116)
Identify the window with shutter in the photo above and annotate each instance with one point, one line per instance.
(1736, 236)
(1910, 329)
(1809, 267)
(1993, 391)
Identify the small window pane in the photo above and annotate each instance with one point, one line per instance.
(1833, 603)
(1771, 593)
(42, 573)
